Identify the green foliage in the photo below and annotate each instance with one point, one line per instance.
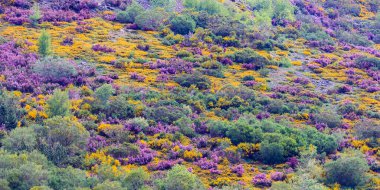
(20, 139)
(36, 16)
(55, 69)
(353, 38)
(9, 112)
(182, 24)
(130, 14)
(328, 117)
(64, 140)
(323, 142)
(109, 185)
(349, 170)
(58, 104)
(368, 62)
(368, 129)
(103, 93)
(120, 108)
(178, 178)
(44, 44)
(198, 80)
(136, 179)
(184, 125)
(271, 153)
(23, 171)
(218, 128)
(166, 114)
(312, 32)
(266, 10)
(67, 178)
(151, 19)
(169, 5)
(212, 7)
(248, 55)
(242, 131)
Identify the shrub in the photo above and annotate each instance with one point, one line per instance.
(349, 170)
(242, 131)
(44, 44)
(36, 16)
(353, 38)
(198, 80)
(103, 93)
(367, 62)
(166, 114)
(68, 178)
(272, 153)
(109, 185)
(151, 19)
(55, 70)
(248, 55)
(209, 6)
(130, 14)
(218, 128)
(9, 112)
(324, 143)
(136, 179)
(330, 118)
(178, 178)
(64, 140)
(58, 104)
(368, 129)
(20, 139)
(182, 24)
(120, 108)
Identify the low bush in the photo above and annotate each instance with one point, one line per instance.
(182, 24)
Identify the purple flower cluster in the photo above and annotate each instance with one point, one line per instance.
(239, 170)
(102, 48)
(261, 180)
(277, 176)
(17, 16)
(145, 155)
(206, 164)
(164, 164)
(137, 77)
(95, 143)
(172, 66)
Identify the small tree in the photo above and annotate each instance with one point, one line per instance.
(136, 179)
(9, 112)
(58, 104)
(349, 170)
(178, 178)
(44, 44)
(182, 24)
(19, 139)
(36, 16)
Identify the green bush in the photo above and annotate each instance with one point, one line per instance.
(109, 185)
(58, 104)
(55, 69)
(136, 179)
(248, 55)
(349, 170)
(103, 93)
(9, 112)
(120, 108)
(68, 178)
(130, 14)
(328, 117)
(20, 139)
(64, 140)
(182, 24)
(44, 44)
(242, 131)
(197, 79)
(151, 19)
(272, 153)
(178, 178)
(353, 38)
(368, 129)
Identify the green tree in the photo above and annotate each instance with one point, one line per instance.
(130, 14)
(178, 178)
(67, 178)
(36, 16)
(44, 44)
(272, 153)
(9, 112)
(349, 170)
(58, 104)
(109, 185)
(182, 24)
(136, 179)
(151, 19)
(20, 139)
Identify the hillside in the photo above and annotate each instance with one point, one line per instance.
(189, 94)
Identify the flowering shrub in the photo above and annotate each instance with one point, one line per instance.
(17, 16)
(261, 180)
(102, 48)
(277, 176)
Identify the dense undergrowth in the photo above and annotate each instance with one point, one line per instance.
(189, 94)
